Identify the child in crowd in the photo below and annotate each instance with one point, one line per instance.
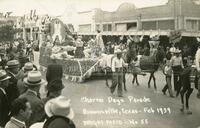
(168, 76)
(136, 70)
(186, 86)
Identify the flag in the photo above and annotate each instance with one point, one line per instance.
(31, 14)
(34, 13)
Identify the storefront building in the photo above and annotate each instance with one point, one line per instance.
(33, 26)
(181, 15)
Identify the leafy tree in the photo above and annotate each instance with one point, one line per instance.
(7, 31)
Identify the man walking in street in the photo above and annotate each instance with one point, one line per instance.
(117, 69)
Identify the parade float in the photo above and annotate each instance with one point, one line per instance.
(59, 47)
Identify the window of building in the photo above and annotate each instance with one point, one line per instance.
(131, 26)
(199, 25)
(166, 24)
(107, 27)
(191, 25)
(121, 27)
(97, 27)
(149, 25)
(85, 28)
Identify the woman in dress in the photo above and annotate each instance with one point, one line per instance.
(79, 48)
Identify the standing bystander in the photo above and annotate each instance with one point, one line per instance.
(33, 82)
(20, 112)
(117, 68)
(4, 103)
(12, 70)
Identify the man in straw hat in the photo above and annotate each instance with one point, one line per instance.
(117, 69)
(177, 66)
(12, 70)
(24, 71)
(33, 82)
(59, 112)
(197, 63)
(4, 103)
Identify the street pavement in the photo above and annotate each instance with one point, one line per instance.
(90, 98)
(95, 107)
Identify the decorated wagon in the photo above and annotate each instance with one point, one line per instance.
(60, 48)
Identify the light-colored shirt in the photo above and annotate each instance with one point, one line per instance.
(99, 40)
(15, 123)
(79, 43)
(172, 49)
(176, 61)
(137, 64)
(197, 59)
(168, 71)
(118, 63)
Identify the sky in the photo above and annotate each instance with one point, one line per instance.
(60, 7)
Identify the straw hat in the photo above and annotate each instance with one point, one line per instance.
(34, 78)
(28, 66)
(177, 51)
(118, 51)
(59, 106)
(3, 75)
(12, 64)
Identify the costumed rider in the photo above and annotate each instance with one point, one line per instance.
(154, 44)
(117, 69)
(89, 50)
(197, 64)
(99, 42)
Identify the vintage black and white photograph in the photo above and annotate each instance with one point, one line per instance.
(99, 63)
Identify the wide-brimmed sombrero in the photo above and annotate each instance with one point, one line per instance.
(59, 106)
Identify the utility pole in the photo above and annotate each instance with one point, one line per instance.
(175, 15)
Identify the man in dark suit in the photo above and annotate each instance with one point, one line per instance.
(12, 70)
(4, 103)
(54, 72)
(33, 82)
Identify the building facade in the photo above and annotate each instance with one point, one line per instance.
(33, 26)
(181, 15)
